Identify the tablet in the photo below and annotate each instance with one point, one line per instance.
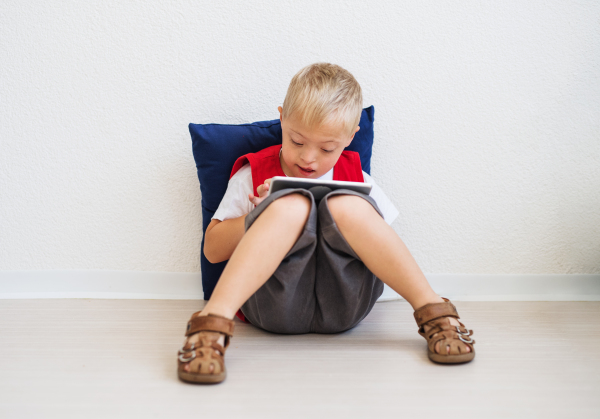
(319, 188)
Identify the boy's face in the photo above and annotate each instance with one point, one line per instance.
(311, 152)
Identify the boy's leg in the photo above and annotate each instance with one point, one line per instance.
(256, 257)
(259, 253)
(382, 251)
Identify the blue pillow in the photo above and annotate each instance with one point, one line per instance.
(216, 148)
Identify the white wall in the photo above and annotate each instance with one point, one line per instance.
(487, 123)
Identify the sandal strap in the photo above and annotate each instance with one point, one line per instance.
(434, 311)
(210, 323)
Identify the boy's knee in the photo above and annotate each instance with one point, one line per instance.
(294, 204)
(348, 207)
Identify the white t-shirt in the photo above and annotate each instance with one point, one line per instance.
(235, 203)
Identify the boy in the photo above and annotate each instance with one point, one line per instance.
(300, 266)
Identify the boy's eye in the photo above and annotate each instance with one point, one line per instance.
(327, 151)
(295, 143)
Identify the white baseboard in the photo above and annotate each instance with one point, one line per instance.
(101, 284)
(188, 286)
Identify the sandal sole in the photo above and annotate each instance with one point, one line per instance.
(452, 359)
(189, 377)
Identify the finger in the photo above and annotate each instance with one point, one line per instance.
(262, 190)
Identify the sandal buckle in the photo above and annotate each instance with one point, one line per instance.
(465, 341)
(185, 351)
(184, 360)
(462, 333)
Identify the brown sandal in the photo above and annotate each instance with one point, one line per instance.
(436, 316)
(206, 352)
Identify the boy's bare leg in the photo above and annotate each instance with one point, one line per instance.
(382, 251)
(257, 256)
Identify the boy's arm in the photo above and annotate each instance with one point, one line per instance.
(222, 237)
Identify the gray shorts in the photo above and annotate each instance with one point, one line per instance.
(321, 286)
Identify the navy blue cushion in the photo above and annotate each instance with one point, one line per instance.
(216, 148)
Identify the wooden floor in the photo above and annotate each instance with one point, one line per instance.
(117, 359)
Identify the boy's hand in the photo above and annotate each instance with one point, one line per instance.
(263, 190)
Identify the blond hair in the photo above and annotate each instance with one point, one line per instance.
(324, 93)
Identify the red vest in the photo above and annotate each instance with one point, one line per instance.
(265, 164)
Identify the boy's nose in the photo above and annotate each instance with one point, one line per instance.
(308, 157)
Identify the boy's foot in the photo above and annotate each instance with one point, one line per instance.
(453, 322)
(449, 341)
(193, 341)
(201, 358)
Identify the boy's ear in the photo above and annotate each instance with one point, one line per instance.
(352, 137)
(280, 109)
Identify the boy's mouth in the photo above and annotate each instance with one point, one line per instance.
(307, 171)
